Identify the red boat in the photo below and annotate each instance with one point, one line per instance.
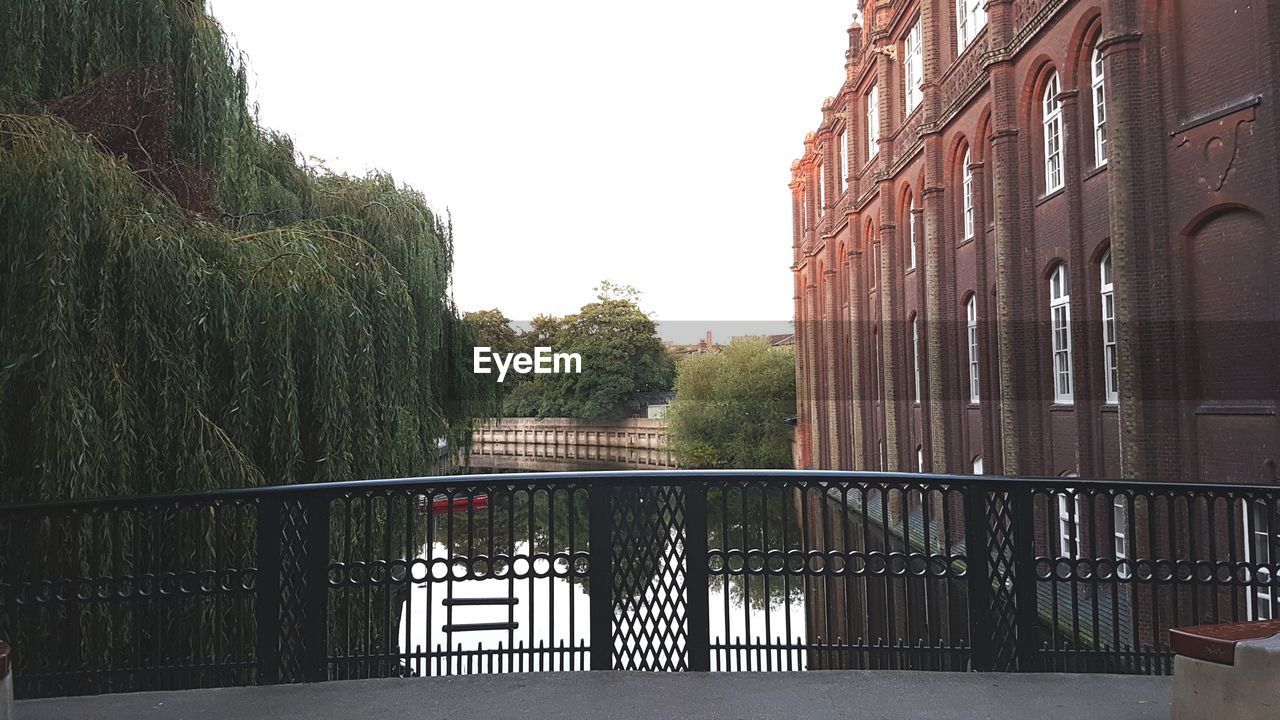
(442, 504)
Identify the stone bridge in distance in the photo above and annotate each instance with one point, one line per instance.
(565, 445)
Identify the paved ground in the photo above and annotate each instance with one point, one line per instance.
(628, 696)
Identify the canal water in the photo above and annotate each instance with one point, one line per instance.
(543, 621)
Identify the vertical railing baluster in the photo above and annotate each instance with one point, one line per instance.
(1026, 604)
(315, 638)
(978, 549)
(600, 572)
(696, 576)
(267, 591)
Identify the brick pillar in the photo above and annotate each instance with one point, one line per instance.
(1021, 407)
(892, 334)
(812, 369)
(941, 426)
(857, 295)
(828, 402)
(800, 446)
(1082, 275)
(988, 395)
(800, 443)
(1148, 414)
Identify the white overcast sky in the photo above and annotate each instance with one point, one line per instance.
(572, 140)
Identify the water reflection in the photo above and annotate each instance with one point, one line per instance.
(505, 586)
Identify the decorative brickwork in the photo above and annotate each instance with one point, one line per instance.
(1182, 210)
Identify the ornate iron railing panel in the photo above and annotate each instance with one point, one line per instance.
(663, 570)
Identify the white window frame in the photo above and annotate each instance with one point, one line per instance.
(913, 67)
(1068, 548)
(967, 184)
(1060, 332)
(919, 458)
(1120, 528)
(822, 191)
(971, 17)
(977, 465)
(875, 265)
(1110, 348)
(915, 356)
(1099, 94)
(1258, 541)
(844, 159)
(911, 233)
(873, 122)
(1051, 109)
(971, 318)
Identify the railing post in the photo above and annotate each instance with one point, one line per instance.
(1024, 578)
(315, 636)
(267, 591)
(601, 576)
(696, 582)
(978, 549)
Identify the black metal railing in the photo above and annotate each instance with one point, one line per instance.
(659, 570)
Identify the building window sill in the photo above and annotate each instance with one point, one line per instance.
(1262, 408)
(964, 241)
(1095, 172)
(911, 270)
(1110, 407)
(1046, 198)
(1062, 407)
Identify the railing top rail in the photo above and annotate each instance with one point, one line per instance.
(605, 477)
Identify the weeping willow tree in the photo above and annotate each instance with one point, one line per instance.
(184, 305)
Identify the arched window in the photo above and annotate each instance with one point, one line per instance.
(873, 123)
(1060, 327)
(915, 357)
(911, 234)
(1051, 108)
(1099, 109)
(1110, 361)
(913, 66)
(968, 196)
(977, 465)
(971, 17)
(971, 316)
(844, 159)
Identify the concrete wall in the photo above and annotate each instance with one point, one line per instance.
(565, 444)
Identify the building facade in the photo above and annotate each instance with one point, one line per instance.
(1042, 237)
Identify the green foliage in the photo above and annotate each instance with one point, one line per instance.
(185, 306)
(304, 334)
(730, 408)
(622, 355)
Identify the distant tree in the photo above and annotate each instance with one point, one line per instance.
(493, 329)
(621, 356)
(731, 407)
(541, 333)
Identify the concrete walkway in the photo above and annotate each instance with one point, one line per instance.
(628, 696)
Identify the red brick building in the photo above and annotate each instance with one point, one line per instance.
(1042, 237)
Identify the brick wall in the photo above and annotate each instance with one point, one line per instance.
(1186, 204)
